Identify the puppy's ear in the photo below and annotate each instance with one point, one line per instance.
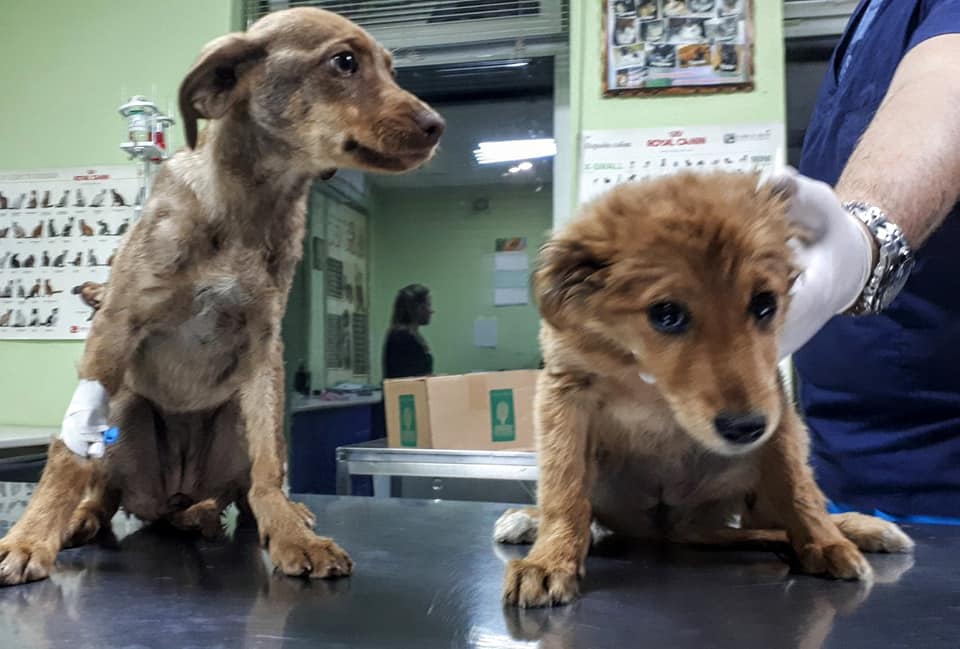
(215, 83)
(567, 272)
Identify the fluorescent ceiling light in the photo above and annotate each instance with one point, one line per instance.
(514, 150)
(484, 68)
(526, 165)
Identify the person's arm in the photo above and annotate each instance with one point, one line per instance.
(907, 164)
(908, 160)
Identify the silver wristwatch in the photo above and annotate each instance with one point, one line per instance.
(894, 260)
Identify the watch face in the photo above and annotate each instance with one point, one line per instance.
(896, 281)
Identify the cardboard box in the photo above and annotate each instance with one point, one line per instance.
(482, 411)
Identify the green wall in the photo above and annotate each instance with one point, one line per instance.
(590, 110)
(434, 237)
(63, 67)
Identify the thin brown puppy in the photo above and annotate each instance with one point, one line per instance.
(187, 339)
(660, 412)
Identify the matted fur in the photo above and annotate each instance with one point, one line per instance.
(187, 338)
(646, 459)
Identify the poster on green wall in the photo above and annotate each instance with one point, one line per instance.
(611, 157)
(677, 46)
(59, 231)
(346, 298)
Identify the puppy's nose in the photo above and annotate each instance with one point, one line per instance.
(431, 124)
(740, 429)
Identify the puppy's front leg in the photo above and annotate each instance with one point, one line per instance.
(789, 497)
(293, 547)
(549, 574)
(110, 346)
(29, 549)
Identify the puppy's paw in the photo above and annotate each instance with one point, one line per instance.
(84, 525)
(22, 561)
(301, 553)
(872, 534)
(841, 560)
(516, 526)
(530, 584)
(204, 517)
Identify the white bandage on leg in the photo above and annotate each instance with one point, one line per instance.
(86, 420)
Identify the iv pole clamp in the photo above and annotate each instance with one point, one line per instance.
(146, 140)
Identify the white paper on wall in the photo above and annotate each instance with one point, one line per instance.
(511, 278)
(611, 157)
(485, 332)
(59, 228)
(511, 260)
(511, 296)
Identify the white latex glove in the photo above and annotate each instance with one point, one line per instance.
(85, 430)
(835, 263)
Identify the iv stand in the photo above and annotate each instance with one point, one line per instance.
(147, 141)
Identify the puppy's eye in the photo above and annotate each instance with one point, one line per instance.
(344, 63)
(763, 307)
(669, 317)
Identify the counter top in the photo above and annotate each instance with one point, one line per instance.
(26, 436)
(429, 576)
(302, 404)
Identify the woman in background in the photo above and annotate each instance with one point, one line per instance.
(405, 352)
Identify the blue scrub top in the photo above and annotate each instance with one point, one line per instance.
(881, 394)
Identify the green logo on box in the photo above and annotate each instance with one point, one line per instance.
(503, 420)
(408, 420)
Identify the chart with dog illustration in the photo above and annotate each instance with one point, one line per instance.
(608, 158)
(677, 46)
(59, 228)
